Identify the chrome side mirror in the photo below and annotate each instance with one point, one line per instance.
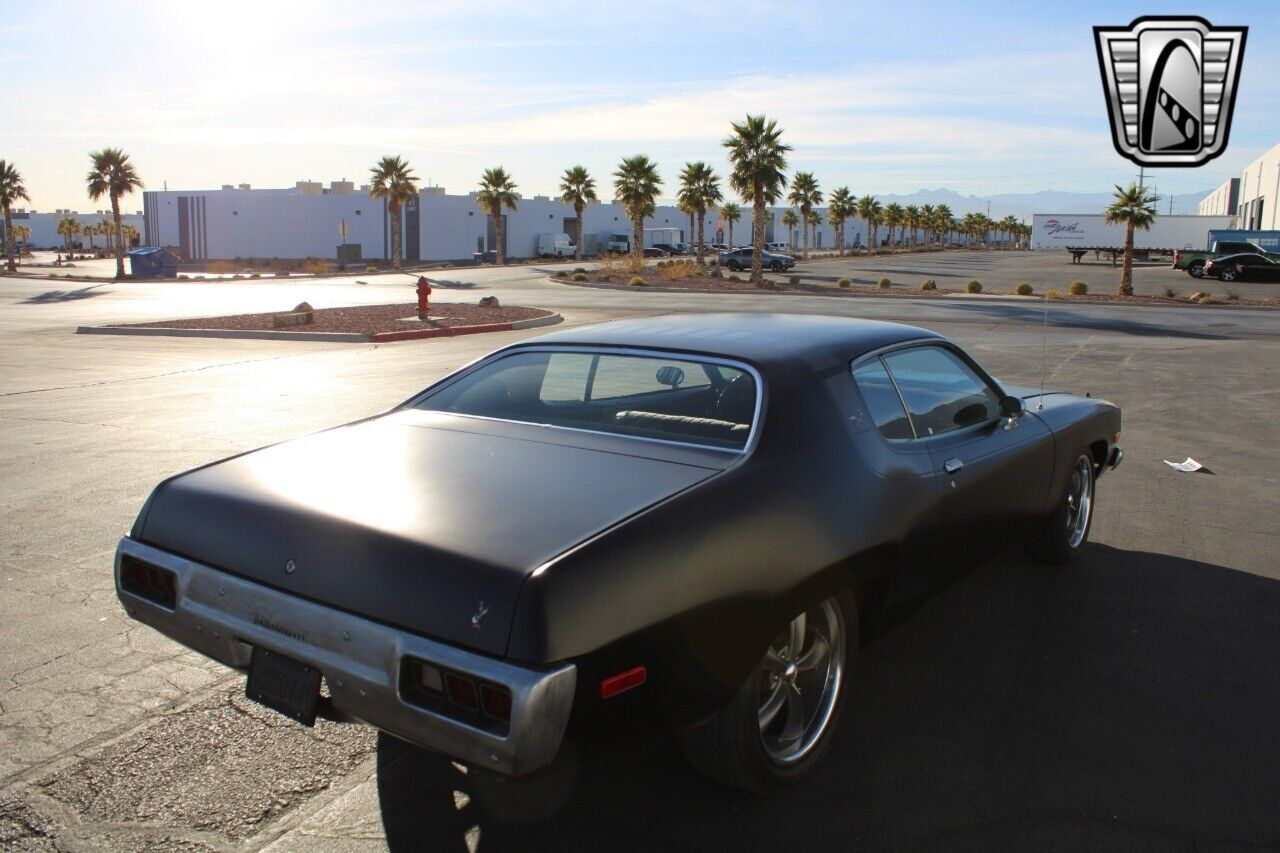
(1010, 410)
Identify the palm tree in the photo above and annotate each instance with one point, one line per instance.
(107, 229)
(927, 216)
(893, 217)
(812, 222)
(113, 175)
(497, 191)
(392, 181)
(1134, 208)
(804, 195)
(911, 218)
(840, 206)
(12, 190)
(578, 188)
(730, 213)
(90, 230)
(129, 234)
(699, 189)
(1010, 227)
(790, 219)
(759, 159)
(68, 228)
(942, 223)
(870, 211)
(21, 234)
(636, 186)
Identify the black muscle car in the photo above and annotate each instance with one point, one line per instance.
(666, 524)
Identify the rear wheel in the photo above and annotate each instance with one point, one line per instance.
(1196, 269)
(1228, 274)
(781, 721)
(776, 266)
(1062, 534)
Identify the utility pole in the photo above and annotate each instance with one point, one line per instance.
(1141, 176)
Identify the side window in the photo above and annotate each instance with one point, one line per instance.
(942, 393)
(566, 378)
(620, 376)
(882, 400)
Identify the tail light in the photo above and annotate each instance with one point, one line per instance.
(1177, 256)
(157, 585)
(456, 694)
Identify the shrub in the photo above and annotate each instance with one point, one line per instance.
(620, 265)
(582, 270)
(1052, 294)
(974, 286)
(636, 281)
(370, 268)
(1205, 299)
(1023, 289)
(579, 276)
(734, 277)
(715, 273)
(199, 278)
(182, 275)
(884, 284)
(255, 275)
(315, 266)
(1197, 296)
(1078, 288)
(844, 282)
(220, 267)
(929, 284)
(680, 269)
(1170, 292)
(1233, 295)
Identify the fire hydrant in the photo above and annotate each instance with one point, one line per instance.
(424, 296)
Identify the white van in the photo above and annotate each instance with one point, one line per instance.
(555, 246)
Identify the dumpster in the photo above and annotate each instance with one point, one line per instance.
(153, 262)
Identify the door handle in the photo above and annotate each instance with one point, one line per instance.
(952, 465)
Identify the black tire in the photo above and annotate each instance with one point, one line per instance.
(776, 266)
(1057, 538)
(1196, 269)
(734, 265)
(730, 746)
(1228, 274)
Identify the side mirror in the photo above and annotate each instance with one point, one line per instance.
(1010, 410)
(670, 375)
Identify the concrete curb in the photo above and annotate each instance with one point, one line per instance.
(332, 337)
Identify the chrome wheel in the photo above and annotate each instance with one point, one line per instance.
(803, 676)
(1079, 502)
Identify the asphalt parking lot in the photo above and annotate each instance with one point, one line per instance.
(1001, 271)
(1128, 702)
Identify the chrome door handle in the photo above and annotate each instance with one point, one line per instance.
(952, 465)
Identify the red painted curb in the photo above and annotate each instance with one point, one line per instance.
(414, 334)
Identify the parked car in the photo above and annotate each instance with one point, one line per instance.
(741, 259)
(673, 248)
(777, 248)
(680, 523)
(1258, 267)
(655, 252)
(718, 247)
(1194, 262)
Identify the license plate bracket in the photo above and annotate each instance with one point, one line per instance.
(284, 684)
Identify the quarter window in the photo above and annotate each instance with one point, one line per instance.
(942, 393)
(882, 400)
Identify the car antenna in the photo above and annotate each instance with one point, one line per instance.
(1044, 349)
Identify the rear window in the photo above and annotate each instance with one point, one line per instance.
(672, 399)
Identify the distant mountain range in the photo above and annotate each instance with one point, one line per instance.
(1025, 204)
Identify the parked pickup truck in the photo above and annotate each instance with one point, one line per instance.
(1193, 262)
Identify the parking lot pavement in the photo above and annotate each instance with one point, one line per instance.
(1127, 701)
(1003, 270)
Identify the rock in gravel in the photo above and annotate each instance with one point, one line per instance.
(489, 301)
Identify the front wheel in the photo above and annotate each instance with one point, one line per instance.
(735, 266)
(776, 266)
(1228, 274)
(1062, 534)
(781, 721)
(1196, 270)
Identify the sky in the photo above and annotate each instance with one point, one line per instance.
(981, 98)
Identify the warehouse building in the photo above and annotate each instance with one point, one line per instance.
(1223, 201)
(1076, 230)
(44, 226)
(314, 220)
(1259, 203)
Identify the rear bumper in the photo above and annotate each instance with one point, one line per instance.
(222, 616)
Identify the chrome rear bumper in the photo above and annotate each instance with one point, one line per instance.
(222, 616)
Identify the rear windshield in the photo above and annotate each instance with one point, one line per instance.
(673, 399)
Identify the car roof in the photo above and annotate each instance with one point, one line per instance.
(1249, 255)
(767, 340)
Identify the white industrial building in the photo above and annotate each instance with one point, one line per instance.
(1222, 201)
(309, 219)
(1068, 230)
(1260, 194)
(44, 225)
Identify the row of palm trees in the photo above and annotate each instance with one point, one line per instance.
(110, 174)
(69, 228)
